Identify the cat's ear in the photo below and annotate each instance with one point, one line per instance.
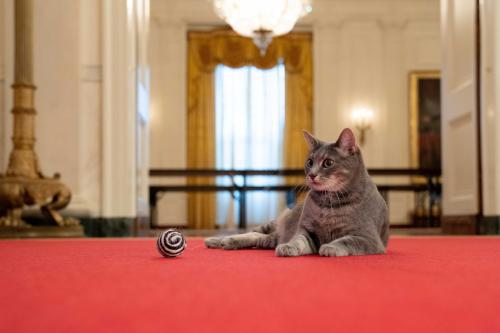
(347, 141)
(312, 142)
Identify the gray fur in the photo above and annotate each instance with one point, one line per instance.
(343, 213)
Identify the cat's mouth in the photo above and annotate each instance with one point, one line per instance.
(317, 185)
(324, 185)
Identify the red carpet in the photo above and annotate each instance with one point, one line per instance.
(123, 285)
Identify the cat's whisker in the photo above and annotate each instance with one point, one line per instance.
(298, 187)
(301, 188)
(304, 188)
(330, 199)
(340, 203)
(342, 195)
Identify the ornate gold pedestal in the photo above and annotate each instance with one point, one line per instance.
(48, 193)
(23, 183)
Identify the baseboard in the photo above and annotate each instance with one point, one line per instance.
(42, 232)
(489, 225)
(108, 226)
(102, 226)
(142, 226)
(459, 224)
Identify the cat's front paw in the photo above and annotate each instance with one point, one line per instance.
(230, 243)
(287, 250)
(213, 242)
(329, 250)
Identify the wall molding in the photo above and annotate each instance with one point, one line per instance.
(109, 227)
(91, 73)
(97, 226)
(80, 206)
(460, 224)
(397, 24)
(118, 191)
(489, 225)
(471, 224)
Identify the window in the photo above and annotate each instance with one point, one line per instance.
(250, 118)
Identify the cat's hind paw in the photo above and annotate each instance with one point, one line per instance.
(328, 250)
(286, 250)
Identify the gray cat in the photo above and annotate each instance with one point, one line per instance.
(343, 213)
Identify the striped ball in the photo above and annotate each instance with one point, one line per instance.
(171, 243)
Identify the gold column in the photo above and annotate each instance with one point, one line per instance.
(23, 13)
(23, 183)
(23, 160)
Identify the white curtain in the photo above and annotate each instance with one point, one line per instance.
(250, 119)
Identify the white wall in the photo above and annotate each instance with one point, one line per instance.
(363, 52)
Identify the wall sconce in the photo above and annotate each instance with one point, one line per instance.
(363, 119)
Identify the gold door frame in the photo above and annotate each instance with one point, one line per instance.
(414, 78)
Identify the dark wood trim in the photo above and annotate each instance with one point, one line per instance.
(411, 226)
(459, 224)
(432, 185)
(280, 188)
(282, 172)
(489, 225)
(109, 226)
(43, 231)
(479, 156)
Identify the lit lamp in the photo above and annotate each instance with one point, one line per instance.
(363, 119)
(262, 19)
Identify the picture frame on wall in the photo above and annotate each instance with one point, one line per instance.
(425, 140)
(425, 119)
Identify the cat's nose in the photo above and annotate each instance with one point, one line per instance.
(312, 176)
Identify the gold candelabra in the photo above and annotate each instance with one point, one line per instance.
(23, 182)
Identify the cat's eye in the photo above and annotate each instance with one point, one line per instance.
(309, 163)
(328, 163)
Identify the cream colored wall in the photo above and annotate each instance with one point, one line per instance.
(459, 111)
(363, 57)
(90, 106)
(363, 52)
(2, 83)
(496, 96)
(6, 55)
(56, 75)
(490, 72)
(168, 104)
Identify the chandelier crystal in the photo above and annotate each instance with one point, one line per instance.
(262, 19)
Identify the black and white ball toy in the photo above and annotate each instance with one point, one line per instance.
(171, 243)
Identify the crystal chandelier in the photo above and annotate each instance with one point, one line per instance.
(262, 19)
